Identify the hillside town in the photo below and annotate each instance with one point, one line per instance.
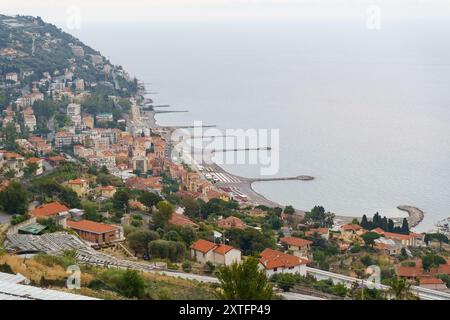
(86, 177)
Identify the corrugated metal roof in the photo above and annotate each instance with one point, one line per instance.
(14, 291)
(11, 278)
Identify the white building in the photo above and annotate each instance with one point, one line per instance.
(204, 251)
(12, 76)
(74, 112)
(273, 262)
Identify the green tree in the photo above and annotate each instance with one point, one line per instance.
(442, 238)
(30, 169)
(319, 218)
(369, 238)
(285, 281)
(174, 251)
(138, 240)
(289, 209)
(9, 136)
(249, 240)
(188, 234)
(120, 200)
(163, 215)
(405, 227)
(191, 207)
(131, 284)
(400, 289)
(244, 282)
(149, 199)
(365, 222)
(432, 261)
(14, 199)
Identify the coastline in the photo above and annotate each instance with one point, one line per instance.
(245, 185)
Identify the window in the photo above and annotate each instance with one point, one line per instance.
(275, 270)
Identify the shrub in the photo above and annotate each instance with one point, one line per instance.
(187, 266)
(174, 251)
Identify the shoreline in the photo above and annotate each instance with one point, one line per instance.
(245, 186)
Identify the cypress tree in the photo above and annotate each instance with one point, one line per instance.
(376, 220)
(364, 222)
(390, 225)
(405, 227)
(384, 224)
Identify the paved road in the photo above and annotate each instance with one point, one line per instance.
(298, 296)
(5, 218)
(188, 276)
(208, 279)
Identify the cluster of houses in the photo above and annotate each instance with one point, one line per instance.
(90, 231)
(271, 261)
(388, 242)
(414, 272)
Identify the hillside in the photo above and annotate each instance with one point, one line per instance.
(33, 49)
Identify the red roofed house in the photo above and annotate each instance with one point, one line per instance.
(299, 247)
(432, 283)
(181, 220)
(411, 239)
(39, 162)
(49, 210)
(79, 186)
(108, 191)
(351, 231)
(323, 232)
(54, 210)
(410, 273)
(231, 223)
(204, 251)
(55, 160)
(442, 269)
(273, 261)
(95, 232)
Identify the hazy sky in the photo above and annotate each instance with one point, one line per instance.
(60, 11)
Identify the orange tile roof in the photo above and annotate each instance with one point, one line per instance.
(409, 272)
(77, 181)
(203, 245)
(231, 222)
(320, 230)
(206, 246)
(430, 280)
(444, 269)
(49, 209)
(108, 188)
(33, 160)
(180, 220)
(57, 158)
(272, 259)
(378, 230)
(351, 227)
(91, 226)
(398, 236)
(12, 155)
(223, 249)
(294, 241)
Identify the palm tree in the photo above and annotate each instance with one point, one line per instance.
(400, 289)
